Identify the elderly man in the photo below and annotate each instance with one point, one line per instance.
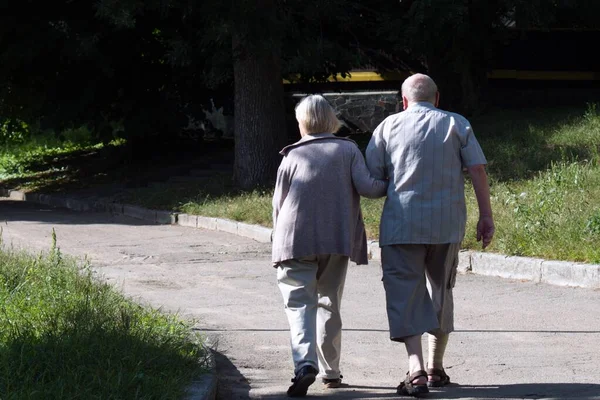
(423, 151)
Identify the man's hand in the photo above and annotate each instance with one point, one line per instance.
(485, 226)
(485, 230)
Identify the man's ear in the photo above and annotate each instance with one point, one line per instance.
(437, 99)
(404, 103)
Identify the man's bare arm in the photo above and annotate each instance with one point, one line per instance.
(485, 226)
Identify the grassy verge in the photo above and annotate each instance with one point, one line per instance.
(545, 184)
(214, 197)
(554, 215)
(75, 163)
(66, 336)
(544, 172)
(50, 163)
(545, 176)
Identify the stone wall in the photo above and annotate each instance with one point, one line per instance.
(361, 111)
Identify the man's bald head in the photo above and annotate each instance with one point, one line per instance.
(419, 87)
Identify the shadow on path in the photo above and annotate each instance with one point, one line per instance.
(546, 391)
(232, 384)
(21, 211)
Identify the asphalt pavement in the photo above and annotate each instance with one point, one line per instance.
(513, 339)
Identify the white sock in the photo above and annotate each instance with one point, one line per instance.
(437, 348)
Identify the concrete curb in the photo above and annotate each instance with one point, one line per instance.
(255, 232)
(561, 273)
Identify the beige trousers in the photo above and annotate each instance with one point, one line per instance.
(312, 289)
(408, 270)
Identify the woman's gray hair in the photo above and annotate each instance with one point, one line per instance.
(316, 115)
(419, 87)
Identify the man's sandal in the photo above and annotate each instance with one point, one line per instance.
(444, 378)
(408, 388)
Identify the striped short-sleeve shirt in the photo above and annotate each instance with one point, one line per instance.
(423, 151)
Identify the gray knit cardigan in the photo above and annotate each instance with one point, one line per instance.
(316, 204)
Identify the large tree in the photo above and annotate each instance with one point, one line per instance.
(259, 112)
(149, 63)
(307, 41)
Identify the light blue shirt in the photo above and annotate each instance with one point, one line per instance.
(423, 151)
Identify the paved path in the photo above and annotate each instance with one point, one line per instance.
(514, 340)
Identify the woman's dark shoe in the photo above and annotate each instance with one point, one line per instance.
(408, 388)
(303, 379)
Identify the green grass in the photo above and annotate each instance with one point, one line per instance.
(215, 196)
(75, 163)
(521, 143)
(67, 336)
(53, 163)
(253, 208)
(545, 183)
(26, 158)
(554, 215)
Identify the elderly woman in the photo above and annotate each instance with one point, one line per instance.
(318, 227)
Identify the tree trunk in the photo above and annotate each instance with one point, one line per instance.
(447, 81)
(259, 110)
(459, 65)
(460, 79)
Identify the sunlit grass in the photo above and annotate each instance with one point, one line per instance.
(64, 335)
(41, 160)
(555, 215)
